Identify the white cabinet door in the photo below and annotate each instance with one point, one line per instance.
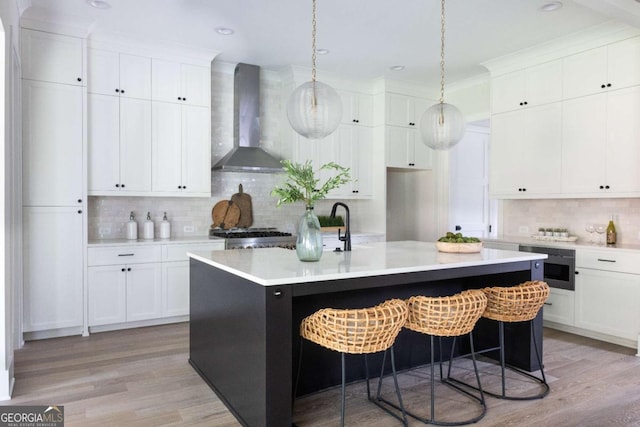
(622, 141)
(104, 143)
(166, 136)
(357, 108)
(144, 291)
(406, 150)
(175, 279)
(585, 73)
(196, 150)
(119, 74)
(611, 67)
(52, 144)
(165, 81)
(119, 145)
(607, 302)
(53, 268)
(196, 85)
(51, 57)
(403, 110)
(107, 295)
(135, 145)
(103, 72)
(135, 76)
(531, 87)
(584, 122)
(362, 162)
(623, 63)
(559, 307)
(599, 146)
(306, 150)
(525, 152)
(181, 83)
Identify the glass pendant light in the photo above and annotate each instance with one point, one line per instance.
(442, 125)
(314, 109)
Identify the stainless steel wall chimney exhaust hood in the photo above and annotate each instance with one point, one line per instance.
(246, 155)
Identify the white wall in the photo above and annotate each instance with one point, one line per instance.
(9, 210)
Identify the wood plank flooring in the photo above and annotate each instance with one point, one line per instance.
(141, 377)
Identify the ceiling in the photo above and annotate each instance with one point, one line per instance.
(364, 37)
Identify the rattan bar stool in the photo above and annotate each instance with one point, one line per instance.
(357, 331)
(450, 316)
(520, 303)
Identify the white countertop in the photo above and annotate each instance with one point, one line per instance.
(173, 240)
(579, 244)
(277, 266)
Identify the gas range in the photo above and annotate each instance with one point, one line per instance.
(248, 238)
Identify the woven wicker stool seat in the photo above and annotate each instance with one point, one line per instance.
(358, 331)
(449, 316)
(520, 303)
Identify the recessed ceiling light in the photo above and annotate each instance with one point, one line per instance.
(551, 6)
(224, 31)
(397, 68)
(99, 4)
(322, 51)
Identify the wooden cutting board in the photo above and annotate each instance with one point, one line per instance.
(243, 201)
(225, 214)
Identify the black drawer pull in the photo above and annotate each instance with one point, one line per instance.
(548, 303)
(606, 260)
(126, 254)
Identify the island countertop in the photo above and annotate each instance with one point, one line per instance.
(277, 266)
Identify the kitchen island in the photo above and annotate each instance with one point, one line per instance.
(246, 307)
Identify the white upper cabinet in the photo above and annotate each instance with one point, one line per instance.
(53, 152)
(533, 86)
(181, 83)
(52, 57)
(350, 147)
(119, 145)
(600, 148)
(113, 73)
(357, 108)
(611, 67)
(525, 152)
(403, 110)
(181, 150)
(406, 150)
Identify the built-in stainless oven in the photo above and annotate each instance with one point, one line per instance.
(559, 268)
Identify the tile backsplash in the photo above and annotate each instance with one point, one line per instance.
(573, 214)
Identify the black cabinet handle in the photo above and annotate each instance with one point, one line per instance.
(548, 303)
(577, 272)
(184, 187)
(79, 79)
(179, 98)
(123, 269)
(79, 200)
(602, 86)
(606, 187)
(117, 90)
(122, 185)
(606, 260)
(125, 254)
(121, 90)
(179, 187)
(184, 99)
(608, 84)
(458, 228)
(79, 211)
(129, 269)
(526, 103)
(117, 185)
(521, 104)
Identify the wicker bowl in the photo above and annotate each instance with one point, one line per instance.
(459, 248)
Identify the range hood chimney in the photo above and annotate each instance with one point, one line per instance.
(246, 155)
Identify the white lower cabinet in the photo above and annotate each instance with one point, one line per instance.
(607, 295)
(175, 284)
(53, 265)
(140, 283)
(559, 307)
(607, 302)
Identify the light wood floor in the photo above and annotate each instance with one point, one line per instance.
(141, 377)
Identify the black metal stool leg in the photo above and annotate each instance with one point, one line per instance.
(502, 356)
(343, 392)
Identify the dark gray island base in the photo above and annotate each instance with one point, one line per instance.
(244, 334)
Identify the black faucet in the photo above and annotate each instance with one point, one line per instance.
(347, 231)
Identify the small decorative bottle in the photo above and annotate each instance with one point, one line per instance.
(611, 232)
(165, 228)
(132, 228)
(148, 227)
